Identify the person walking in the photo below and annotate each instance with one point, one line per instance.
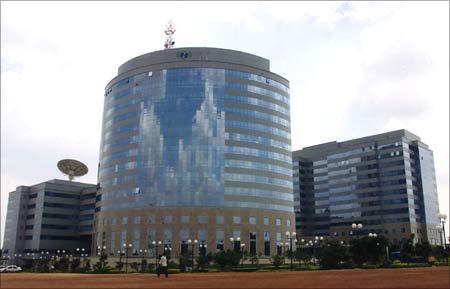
(163, 266)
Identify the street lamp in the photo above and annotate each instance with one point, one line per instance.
(195, 242)
(203, 249)
(126, 255)
(357, 227)
(442, 218)
(156, 244)
(242, 252)
(290, 237)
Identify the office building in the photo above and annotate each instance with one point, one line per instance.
(51, 216)
(196, 145)
(385, 182)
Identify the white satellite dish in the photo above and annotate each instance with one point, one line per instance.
(72, 168)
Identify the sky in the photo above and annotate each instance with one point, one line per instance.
(355, 69)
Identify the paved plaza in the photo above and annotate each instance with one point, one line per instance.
(428, 278)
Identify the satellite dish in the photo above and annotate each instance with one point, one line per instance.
(72, 168)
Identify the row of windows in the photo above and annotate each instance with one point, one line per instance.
(258, 193)
(367, 204)
(258, 139)
(258, 127)
(258, 102)
(258, 90)
(257, 179)
(258, 166)
(58, 238)
(258, 153)
(258, 78)
(257, 114)
(229, 204)
(202, 219)
(60, 205)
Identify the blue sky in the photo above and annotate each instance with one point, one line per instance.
(356, 69)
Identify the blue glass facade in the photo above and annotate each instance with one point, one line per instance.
(385, 182)
(196, 137)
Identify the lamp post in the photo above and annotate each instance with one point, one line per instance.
(357, 227)
(192, 243)
(203, 249)
(126, 247)
(156, 244)
(291, 237)
(120, 255)
(242, 245)
(442, 218)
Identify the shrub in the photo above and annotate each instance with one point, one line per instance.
(185, 261)
(227, 259)
(277, 261)
(62, 265)
(75, 265)
(119, 265)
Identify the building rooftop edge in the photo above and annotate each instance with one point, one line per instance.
(334, 145)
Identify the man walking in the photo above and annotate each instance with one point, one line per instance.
(163, 266)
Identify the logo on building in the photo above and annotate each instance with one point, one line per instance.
(184, 54)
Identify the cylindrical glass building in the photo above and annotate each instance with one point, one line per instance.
(196, 145)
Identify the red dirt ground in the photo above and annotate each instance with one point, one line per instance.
(436, 277)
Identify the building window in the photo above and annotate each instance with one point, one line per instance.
(288, 222)
(137, 220)
(219, 219)
(151, 219)
(113, 221)
(124, 220)
(167, 219)
(252, 220)
(203, 219)
(236, 220)
(184, 219)
(278, 222)
(266, 221)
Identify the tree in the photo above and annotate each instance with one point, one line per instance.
(42, 265)
(423, 249)
(203, 261)
(102, 265)
(302, 255)
(368, 249)
(407, 248)
(333, 255)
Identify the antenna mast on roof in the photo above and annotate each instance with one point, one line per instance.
(170, 31)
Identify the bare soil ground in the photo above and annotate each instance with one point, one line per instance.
(356, 278)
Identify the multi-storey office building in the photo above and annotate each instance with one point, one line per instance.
(385, 182)
(196, 145)
(54, 215)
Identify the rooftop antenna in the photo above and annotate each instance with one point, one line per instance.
(170, 31)
(72, 168)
